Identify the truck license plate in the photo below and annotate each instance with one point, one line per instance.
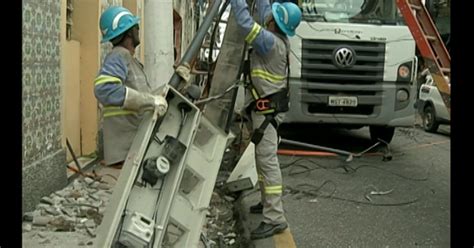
(343, 101)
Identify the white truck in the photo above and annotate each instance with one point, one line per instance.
(353, 64)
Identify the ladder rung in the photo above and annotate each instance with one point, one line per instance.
(446, 70)
(431, 38)
(415, 7)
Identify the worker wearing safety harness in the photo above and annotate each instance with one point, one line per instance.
(267, 99)
(121, 86)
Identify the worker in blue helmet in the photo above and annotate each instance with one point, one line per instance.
(267, 99)
(121, 86)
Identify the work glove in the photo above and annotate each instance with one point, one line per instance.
(138, 101)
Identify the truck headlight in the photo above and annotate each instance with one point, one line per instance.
(404, 72)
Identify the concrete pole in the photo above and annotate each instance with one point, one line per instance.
(159, 47)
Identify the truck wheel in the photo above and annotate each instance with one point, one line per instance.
(430, 124)
(383, 133)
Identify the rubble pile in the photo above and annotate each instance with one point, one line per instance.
(70, 217)
(77, 208)
(220, 229)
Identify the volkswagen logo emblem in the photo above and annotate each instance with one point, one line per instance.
(344, 57)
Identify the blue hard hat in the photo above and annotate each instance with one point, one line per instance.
(115, 21)
(287, 16)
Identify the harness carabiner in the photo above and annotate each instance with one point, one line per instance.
(262, 104)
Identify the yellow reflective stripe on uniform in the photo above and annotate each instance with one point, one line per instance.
(253, 33)
(260, 178)
(102, 79)
(265, 112)
(273, 189)
(115, 111)
(267, 76)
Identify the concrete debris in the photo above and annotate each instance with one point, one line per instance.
(78, 208)
(88, 180)
(26, 227)
(28, 216)
(104, 186)
(95, 185)
(47, 200)
(60, 224)
(220, 228)
(52, 211)
(41, 220)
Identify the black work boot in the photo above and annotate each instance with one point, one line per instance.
(257, 208)
(265, 230)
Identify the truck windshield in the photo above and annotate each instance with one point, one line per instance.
(350, 11)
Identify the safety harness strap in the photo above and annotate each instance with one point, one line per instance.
(258, 133)
(271, 105)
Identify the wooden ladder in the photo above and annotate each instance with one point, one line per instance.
(429, 44)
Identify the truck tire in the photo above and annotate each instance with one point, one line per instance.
(381, 132)
(430, 124)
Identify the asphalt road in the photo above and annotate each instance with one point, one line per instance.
(328, 201)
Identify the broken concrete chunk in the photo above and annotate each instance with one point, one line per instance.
(89, 243)
(68, 212)
(94, 197)
(41, 220)
(28, 216)
(88, 180)
(77, 185)
(91, 231)
(47, 200)
(42, 206)
(104, 186)
(229, 198)
(84, 209)
(52, 211)
(63, 193)
(102, 210)
(98, 204)
(230, 235)
(26, 227)
(75, 194)
(58, 200)
(60, 224)
(95, 184)
(90, 223)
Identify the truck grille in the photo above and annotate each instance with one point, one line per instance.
(318, 62)
(323, 78)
